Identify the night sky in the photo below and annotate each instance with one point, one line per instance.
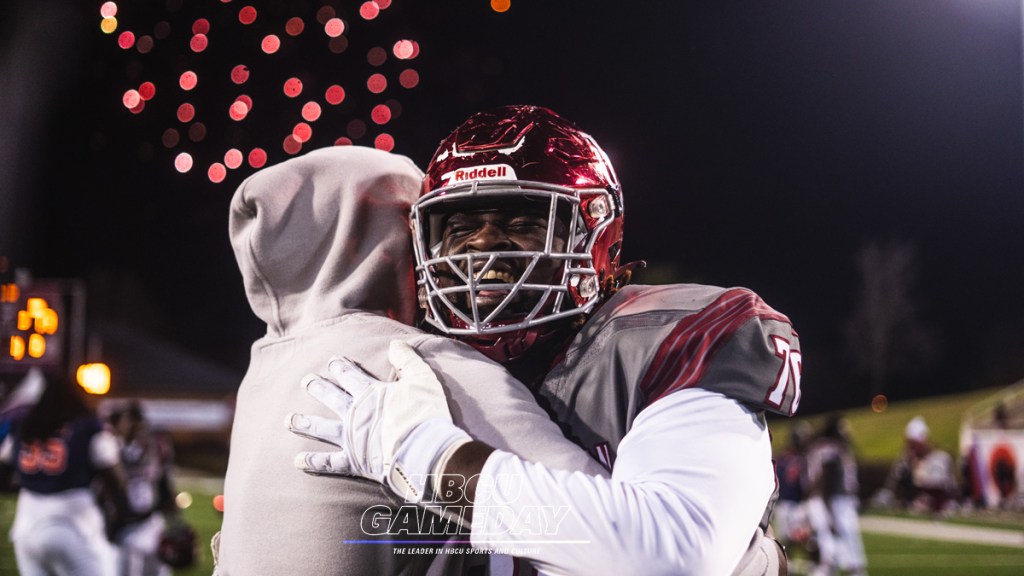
(759, 144)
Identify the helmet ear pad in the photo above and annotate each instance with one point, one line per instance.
(497, 160)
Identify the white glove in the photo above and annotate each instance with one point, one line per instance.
(397, 433)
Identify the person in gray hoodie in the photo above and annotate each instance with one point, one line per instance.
(323, 245)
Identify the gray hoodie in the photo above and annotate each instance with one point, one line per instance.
(323, 245)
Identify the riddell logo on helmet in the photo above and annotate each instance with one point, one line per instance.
(489, 172)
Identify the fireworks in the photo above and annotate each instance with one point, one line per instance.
(229, 86)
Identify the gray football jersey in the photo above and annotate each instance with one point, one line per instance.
(648, 341)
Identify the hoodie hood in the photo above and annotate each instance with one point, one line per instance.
(325, 234)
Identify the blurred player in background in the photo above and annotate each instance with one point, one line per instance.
(517, 241)
(923, 479)
(789, 518)
(833, 503)
(148, 459)
(58, 450)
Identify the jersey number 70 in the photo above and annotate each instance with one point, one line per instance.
(789, 375)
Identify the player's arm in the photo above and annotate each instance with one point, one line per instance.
(7, 450)
(688, 489)
(105, 457)
(7, 478)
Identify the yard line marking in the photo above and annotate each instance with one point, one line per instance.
(932, 530)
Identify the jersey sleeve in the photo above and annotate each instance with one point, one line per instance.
(686, 494)
(104, 450)
(7, 450)
(737, 346)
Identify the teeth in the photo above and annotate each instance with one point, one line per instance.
(504, 277)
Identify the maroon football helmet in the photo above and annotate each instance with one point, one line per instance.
(502, 160)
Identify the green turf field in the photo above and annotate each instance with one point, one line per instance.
(899, 556)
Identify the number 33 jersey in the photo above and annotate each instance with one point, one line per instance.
(67, 460)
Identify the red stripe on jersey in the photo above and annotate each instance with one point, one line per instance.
(685, 354)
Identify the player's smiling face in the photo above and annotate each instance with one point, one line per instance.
(490, 230)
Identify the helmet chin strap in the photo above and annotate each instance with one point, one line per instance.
(511, 346)
(504, 347)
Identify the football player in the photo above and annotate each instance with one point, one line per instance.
(147, 458)
(832, 503)
(60, 451)
(517, 238)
